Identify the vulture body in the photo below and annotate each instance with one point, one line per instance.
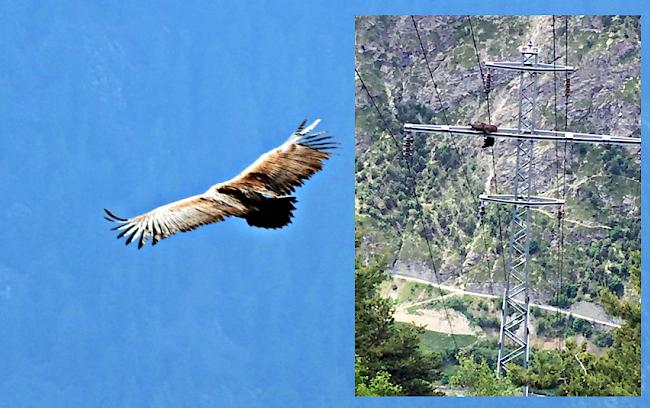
(485, 127)
(260, 194)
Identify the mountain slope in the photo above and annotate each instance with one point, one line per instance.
(602, 182)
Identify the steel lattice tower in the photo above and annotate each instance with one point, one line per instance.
(515, 310)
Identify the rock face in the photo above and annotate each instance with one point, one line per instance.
(600, 183)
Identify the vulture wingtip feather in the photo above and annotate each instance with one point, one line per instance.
(310, 127)
(113, 216)
(301, 126)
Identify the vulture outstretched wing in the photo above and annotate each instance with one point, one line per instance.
(258, 194)
(183, 215)
(279, 171)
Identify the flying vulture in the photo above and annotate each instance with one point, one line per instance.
(260, 194)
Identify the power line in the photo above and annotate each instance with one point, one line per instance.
(482, 209)
(557, 195)
(566, 62)
(420, 210)
(499, 223)
(494, 161)
(566, 99)
(557, 158)
(453, 142)
(564, 164)
(442, 107)
(426, 59)
(480, 67)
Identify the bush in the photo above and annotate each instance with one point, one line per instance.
(458, 304)
(615, 285)
(486, 321)
(603, 338)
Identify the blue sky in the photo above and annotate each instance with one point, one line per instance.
(132, 106)
(135, 106)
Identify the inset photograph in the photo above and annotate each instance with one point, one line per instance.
(498, 212)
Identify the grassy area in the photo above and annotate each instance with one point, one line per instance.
(448, 371)
(549, 392)
(464, 55)
(631, 90)
(435, 341)
(412, 291)
(442, 343)
(480, 312)
(414, 248)
(409, 291)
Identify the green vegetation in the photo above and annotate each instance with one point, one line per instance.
(575, 371)
(402, 359)
(414, 291)
(481, 380)
(389, 357)
(379, 385)
(631, 90)
(484, 349)
(603, 338)
(479, 312)
(552, 324)
(431, 341)
(464, 56)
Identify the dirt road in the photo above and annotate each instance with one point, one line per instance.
(488, 296)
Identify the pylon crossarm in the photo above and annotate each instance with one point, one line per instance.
(536, 134)
(533, 201)
(539, 67)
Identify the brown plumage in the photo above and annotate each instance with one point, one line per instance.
(259, 194)
(485, 127)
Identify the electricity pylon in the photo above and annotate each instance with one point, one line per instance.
(516, 310)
